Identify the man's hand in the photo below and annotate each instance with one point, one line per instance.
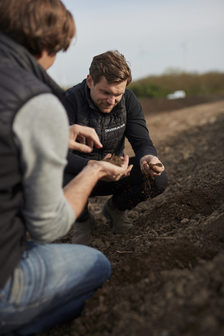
(83, 138)
(151, 165)
(111, 172)
(78, 190)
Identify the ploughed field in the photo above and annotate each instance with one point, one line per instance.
(168, 270)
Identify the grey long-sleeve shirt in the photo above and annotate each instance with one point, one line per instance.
(41, 133)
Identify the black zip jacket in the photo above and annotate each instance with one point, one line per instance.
(126, 120)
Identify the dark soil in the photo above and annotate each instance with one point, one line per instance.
(168, 270)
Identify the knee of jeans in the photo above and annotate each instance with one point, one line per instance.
(102, 268)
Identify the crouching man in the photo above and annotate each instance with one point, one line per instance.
(103, 102)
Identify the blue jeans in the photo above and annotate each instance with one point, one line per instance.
(49, 286)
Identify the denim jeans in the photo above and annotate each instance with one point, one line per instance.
(49, 286)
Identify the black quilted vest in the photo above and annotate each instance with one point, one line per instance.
(17, 86)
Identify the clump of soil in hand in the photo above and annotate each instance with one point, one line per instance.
(114, 159)
(152, 165)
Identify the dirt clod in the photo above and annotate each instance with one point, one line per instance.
(114, 159)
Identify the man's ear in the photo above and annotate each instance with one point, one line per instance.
(89, 81)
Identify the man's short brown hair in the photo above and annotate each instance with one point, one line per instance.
(37, 24)
(111, 65)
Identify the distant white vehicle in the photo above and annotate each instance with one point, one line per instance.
(179, 94)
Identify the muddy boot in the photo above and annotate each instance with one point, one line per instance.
(116, 218)
(82, 231)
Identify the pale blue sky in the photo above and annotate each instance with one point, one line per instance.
(154, 35)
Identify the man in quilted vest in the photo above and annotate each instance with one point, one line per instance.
(41, 284)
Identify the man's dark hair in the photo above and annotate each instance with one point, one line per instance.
(111, 65)
(37, 24)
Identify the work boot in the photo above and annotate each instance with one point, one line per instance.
(82, 231)
(116, 218)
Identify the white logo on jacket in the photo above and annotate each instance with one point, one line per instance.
(114, 128)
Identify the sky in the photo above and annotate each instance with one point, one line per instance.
(155, 36)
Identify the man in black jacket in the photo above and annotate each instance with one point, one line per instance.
(103, 102)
